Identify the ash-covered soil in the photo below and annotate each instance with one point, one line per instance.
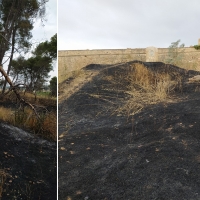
(27, 165)
(106, 155)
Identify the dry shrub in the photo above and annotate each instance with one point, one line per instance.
(142, 76)
(148, 87)
(5, 114)
(26, 118)
(50, 126)
(157, 84)
(46, 126)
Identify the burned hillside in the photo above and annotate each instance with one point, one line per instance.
(130, 131)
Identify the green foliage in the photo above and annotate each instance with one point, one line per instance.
(197, 47)
(47, 48)
(175, 53)
(32, 72)
(17, 19)
(53, 86)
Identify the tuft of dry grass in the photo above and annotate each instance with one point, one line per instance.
(26, 119)
(49, 126)
(6, 114)
(148, 87)
(157, 84)
(46, 126)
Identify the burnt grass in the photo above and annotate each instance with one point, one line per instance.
(28, 161)
(154, 154)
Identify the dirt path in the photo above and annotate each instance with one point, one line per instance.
(71, 86)
(154, 154)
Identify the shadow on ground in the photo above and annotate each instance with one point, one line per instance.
(154, 154)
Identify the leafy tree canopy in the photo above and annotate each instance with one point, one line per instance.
(47, 48)
(16, 22)
(34, 71)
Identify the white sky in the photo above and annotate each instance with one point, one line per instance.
(42, 33)
(116, 24)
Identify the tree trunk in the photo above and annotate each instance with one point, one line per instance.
(10, 82)
(11, 58)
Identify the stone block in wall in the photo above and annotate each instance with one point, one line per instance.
(151, 54)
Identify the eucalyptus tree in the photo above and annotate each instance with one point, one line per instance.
(34, 71)
(47, 48)
(17, 19)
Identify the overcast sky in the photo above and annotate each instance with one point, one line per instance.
(42, 33)
(114, 24)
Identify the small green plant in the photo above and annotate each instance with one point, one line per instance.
(197, 47)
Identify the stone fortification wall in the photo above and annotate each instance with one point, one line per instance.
(188, 54)
(76, 59)
(71, 60)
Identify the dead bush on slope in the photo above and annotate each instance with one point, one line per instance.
(148, 87)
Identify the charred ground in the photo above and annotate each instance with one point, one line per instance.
(106, 154)
(28, 163)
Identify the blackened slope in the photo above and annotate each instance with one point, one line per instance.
(151, 155)
(30, 164)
